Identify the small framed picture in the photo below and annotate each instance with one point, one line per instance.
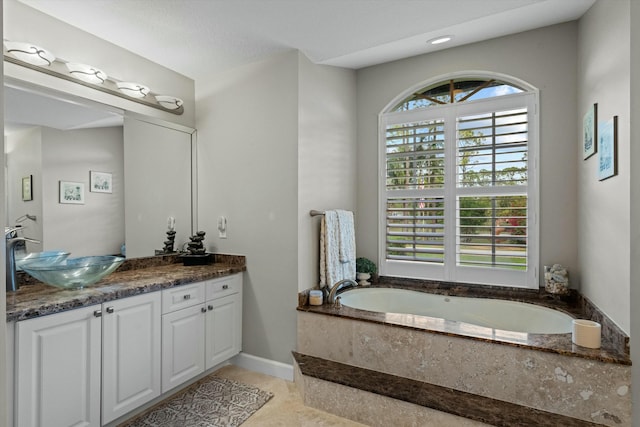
(608, 151)
(100, 182)
(27, 188)
(590, 132)
(72, 192)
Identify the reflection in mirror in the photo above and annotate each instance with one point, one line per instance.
(50, 140)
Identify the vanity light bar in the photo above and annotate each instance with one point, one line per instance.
(39, 59)
(170, 102)
(134, 90)
(87, 73)
(30, 53)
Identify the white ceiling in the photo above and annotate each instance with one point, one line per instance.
(198, 37)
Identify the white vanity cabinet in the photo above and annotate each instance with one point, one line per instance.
(90, 366)
(201, 327)
(183, 334)
(224, 319)
(65, 362)
(130, 353)
(57, 369)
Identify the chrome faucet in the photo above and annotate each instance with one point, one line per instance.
(331, 299)
(12, 282)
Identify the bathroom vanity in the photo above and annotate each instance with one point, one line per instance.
(91, 356)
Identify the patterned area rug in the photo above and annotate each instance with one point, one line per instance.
(210, 402)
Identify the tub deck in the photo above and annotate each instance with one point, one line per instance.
(550, 380)
(614, 347)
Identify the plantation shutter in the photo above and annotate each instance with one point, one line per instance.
(492, 151)
(457, 193)
(415, 162)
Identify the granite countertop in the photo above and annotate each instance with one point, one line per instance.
(134, 277)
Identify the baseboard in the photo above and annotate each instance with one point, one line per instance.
(263, 366)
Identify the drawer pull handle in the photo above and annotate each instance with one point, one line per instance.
(225, 286)
(97, 313)
(187, 296)
(204, 310)
(110, 310)
(210, 307)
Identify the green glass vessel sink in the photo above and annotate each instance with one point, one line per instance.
(74, 273)
(46, 258)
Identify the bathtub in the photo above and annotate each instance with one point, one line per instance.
(491, 313)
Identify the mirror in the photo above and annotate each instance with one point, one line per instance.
(91, 180)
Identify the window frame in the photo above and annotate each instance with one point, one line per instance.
(450, 271)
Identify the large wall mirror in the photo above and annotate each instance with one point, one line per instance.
(94, 180)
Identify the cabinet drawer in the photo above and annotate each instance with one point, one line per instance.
(182, 296)
(224, 286)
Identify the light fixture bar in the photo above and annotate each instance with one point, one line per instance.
(96, 79)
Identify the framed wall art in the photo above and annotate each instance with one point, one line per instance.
(72, 192)
(590, 132)
(608, 149)
(27, 188)
(100, 182)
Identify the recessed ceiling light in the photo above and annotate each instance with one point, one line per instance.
(440, 40)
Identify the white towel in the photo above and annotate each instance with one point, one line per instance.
(337, 247)
(346, 237)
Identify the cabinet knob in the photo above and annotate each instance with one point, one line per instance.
(204, 310)
(187, 296)
(97, 313)
(225, 286)
(210, 307)
(110, 310)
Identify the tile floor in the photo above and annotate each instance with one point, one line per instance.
(286, 408)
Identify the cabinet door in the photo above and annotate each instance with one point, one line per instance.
(182, 345)
(131, 354)
(58, 370)
(223, 329)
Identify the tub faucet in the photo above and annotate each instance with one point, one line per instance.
(331, 299)
(12, 282)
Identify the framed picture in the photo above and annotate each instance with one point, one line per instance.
(590, 132)
(72, 192)
(608, 151)
(27, 188)
(100, 182)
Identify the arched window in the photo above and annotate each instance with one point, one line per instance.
(459, 186)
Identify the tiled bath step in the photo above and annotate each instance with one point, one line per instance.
(483, 409)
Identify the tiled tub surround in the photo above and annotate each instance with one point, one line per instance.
(538, 372)
(135, 276)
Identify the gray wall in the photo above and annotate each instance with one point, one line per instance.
(97, 226)
(263, 134)
(247, 171)
(157, 167)
(604, 206)
(545, 58)
(23, 150)
(50, 156)
(326, 156)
